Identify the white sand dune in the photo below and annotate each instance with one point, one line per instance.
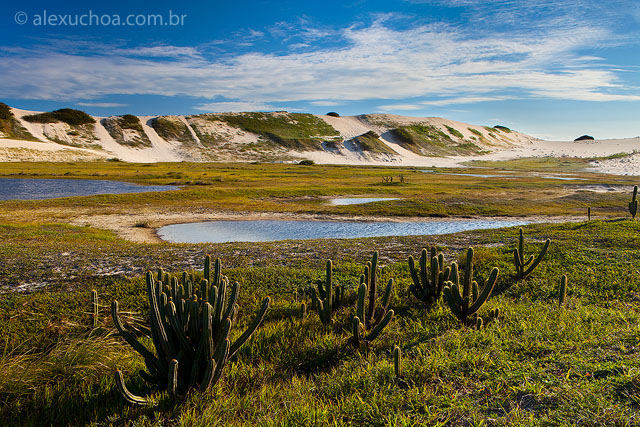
(502, 146)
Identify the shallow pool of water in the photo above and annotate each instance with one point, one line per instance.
(343, 201)
(34, 189)
(272, 230)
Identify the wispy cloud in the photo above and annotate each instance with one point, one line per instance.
(102, 104)
(438, 63)
(231, 106)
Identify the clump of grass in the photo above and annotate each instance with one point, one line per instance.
(475, 131)
(306, 162)
(142, 223)
(502, 128)
(69, 116)
(454, 132)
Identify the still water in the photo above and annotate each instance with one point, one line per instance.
(34, 189)
(272, 230)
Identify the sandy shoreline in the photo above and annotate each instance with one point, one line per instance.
(124, 225)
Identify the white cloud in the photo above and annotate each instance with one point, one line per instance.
(231, 106)
(102, 104)
(375, 62)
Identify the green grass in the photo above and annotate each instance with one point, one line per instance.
(454, 132)
(289, 188)
(297, 131)
(537, 365)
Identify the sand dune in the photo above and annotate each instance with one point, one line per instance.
(61, 142)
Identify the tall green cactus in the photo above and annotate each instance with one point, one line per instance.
(370, 320)
(427, 287)
(633, 204)
(524, 268)
(562, 295)
(465, 305)
(190, 329)
(330, 297)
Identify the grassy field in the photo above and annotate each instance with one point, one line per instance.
(538, 364)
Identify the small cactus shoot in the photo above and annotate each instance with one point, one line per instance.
(633, 204)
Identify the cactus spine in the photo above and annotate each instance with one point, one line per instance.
(328, 301)
(428, 287)
(369, 317)
(190, 330)
(466, 304)
(633, 204)
(562, 296)
(524, 268)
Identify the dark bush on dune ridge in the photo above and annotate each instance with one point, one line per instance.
(333, 114)
(66, 115)
(585, 138)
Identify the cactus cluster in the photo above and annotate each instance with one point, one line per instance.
(190, 328)
(369, 320)
(465, 305)
(427, 285)
(524, 268)
(633, 204)
(330, 298)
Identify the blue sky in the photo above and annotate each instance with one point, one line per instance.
(553, 69)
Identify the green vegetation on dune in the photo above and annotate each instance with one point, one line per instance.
(10, 127)
(428, 140)
(66, 115)
(297, 131)
(370, 143)
(172, 129)
(119, 125)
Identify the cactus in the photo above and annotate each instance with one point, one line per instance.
(562, 296)
(94, 309)
(633, 204)
(369, 317)
(428, 287)
(397, 358)
(524, 268)
(330, 298)
(589, 213)
(190, 330)
(467, 304)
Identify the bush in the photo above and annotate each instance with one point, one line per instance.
(502, 128)
(333, 114)
(455, 132)
(129, 121)
(5, 112)
(306, 162)
(66, 115)
(585, 138)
